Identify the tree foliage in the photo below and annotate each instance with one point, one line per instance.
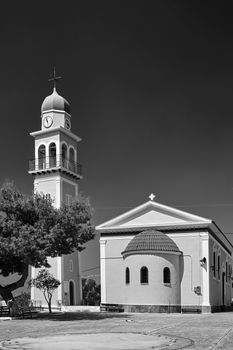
(47, 283)
(31, 230)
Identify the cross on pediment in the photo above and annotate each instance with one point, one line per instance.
(152, 196)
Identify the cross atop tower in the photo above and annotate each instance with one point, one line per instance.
(152, 196)
(54, 78)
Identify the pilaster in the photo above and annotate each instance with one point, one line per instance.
(205, 269)
(103, 269)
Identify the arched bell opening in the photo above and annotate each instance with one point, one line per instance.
(41, 157)
(71, 159)
(64, 156)
(52, 155)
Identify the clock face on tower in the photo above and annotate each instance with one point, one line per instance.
(67, 124)
(47, 121)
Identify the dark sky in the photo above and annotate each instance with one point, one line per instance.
(150, 85)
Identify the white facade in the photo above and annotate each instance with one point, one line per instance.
(56, 173)
(197, 282)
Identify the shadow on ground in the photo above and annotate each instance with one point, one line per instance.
(74, 316)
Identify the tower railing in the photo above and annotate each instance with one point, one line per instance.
(58, 161)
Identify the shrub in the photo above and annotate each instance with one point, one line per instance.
(91, 292)
(22, 301)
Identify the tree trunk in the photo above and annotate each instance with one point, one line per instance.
(48, 299)
(6, 291)
(49, 304)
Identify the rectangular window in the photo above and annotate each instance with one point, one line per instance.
(71, 265)
(68, 199)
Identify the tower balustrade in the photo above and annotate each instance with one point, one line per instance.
(53, 163)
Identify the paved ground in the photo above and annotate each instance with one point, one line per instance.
(119, 331)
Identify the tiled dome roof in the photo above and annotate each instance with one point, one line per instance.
(55, 101)
(152, 241)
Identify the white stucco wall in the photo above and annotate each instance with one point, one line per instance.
(190, 270)
(112, 268)
(216, 282)
(155, 292)
(73, 275)
(193, 245)
(113, 287)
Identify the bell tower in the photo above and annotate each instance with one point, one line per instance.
(56, 173)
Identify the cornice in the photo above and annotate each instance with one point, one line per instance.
(58, 129)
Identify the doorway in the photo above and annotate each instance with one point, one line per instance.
(71, 289)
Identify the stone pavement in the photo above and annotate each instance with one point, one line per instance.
(119, 331)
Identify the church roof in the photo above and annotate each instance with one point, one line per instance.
(56, 102)
(152, 214)
(151, 241)
(156, 216)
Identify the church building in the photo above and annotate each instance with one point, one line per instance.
(155, 258)
(56, 173)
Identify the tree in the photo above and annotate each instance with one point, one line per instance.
(47, 283)
(31, 230)
(91, 292)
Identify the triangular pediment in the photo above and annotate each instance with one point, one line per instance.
(152, 214)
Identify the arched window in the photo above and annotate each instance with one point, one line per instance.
(144, 274)
(64, 155)
(127, 275)
(71, 289)
(52, 155)
(166, 275)
(226, 272)
(219, 267)
(41, 157)
(214, 263)
(71, 159)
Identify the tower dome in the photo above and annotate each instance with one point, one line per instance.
(151, 241)
(55, 101)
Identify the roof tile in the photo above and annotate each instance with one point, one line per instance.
(151, 240)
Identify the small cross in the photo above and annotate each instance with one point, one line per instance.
(54, 78)
(152, 196)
